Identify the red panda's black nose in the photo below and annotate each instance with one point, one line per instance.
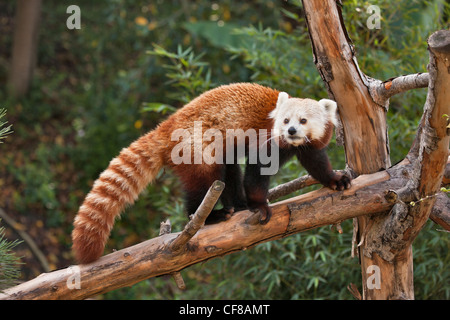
(292, 131)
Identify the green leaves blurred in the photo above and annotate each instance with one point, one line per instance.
(186, 72)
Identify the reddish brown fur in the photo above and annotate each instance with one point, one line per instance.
(323, 142)
(237, 106)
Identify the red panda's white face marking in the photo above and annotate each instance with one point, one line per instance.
(298, 121)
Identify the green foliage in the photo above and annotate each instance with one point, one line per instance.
(9, 262)
(220, 35)
(160, 108)
(4, 131)
(39, 186)
(186, 73)
(279, 59)
(284, 269)
(431, 261)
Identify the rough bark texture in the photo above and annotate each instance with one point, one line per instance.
(440, 213)
(384, 240)
(336, 62)
(382, 91)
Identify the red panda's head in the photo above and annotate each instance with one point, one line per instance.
(304, 121)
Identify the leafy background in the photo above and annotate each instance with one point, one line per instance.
(131, 64)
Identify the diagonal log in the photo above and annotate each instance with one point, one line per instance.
(440, 213)
(199, 217)
(153, 257)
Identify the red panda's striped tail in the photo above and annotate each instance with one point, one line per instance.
(119, 185)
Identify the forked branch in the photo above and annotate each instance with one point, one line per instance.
(382, 91)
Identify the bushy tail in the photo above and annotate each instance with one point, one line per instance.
(120, 184)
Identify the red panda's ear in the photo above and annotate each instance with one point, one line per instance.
(330, 107)
(282, 97)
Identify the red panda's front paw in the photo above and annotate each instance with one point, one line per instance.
(264, 210)
(340, 182)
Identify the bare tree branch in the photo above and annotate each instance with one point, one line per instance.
(363, 121)
(434, 135)
(294, 185)
(199, 217)
(152, 257)
(440, 213)
(382, 91)
(383, 240)
(166, 228)
(291, 186)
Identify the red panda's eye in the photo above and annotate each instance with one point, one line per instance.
(286, 120)
(303, 121)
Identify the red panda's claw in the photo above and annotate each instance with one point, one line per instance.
(264, 211)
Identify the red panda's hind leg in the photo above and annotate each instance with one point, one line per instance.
(256, 189)
(197, 179)
(233, 197)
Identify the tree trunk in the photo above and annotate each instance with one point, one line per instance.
(365, 144)
(384, 240)
(24, 52)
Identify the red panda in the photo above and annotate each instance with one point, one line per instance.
(300, 127)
